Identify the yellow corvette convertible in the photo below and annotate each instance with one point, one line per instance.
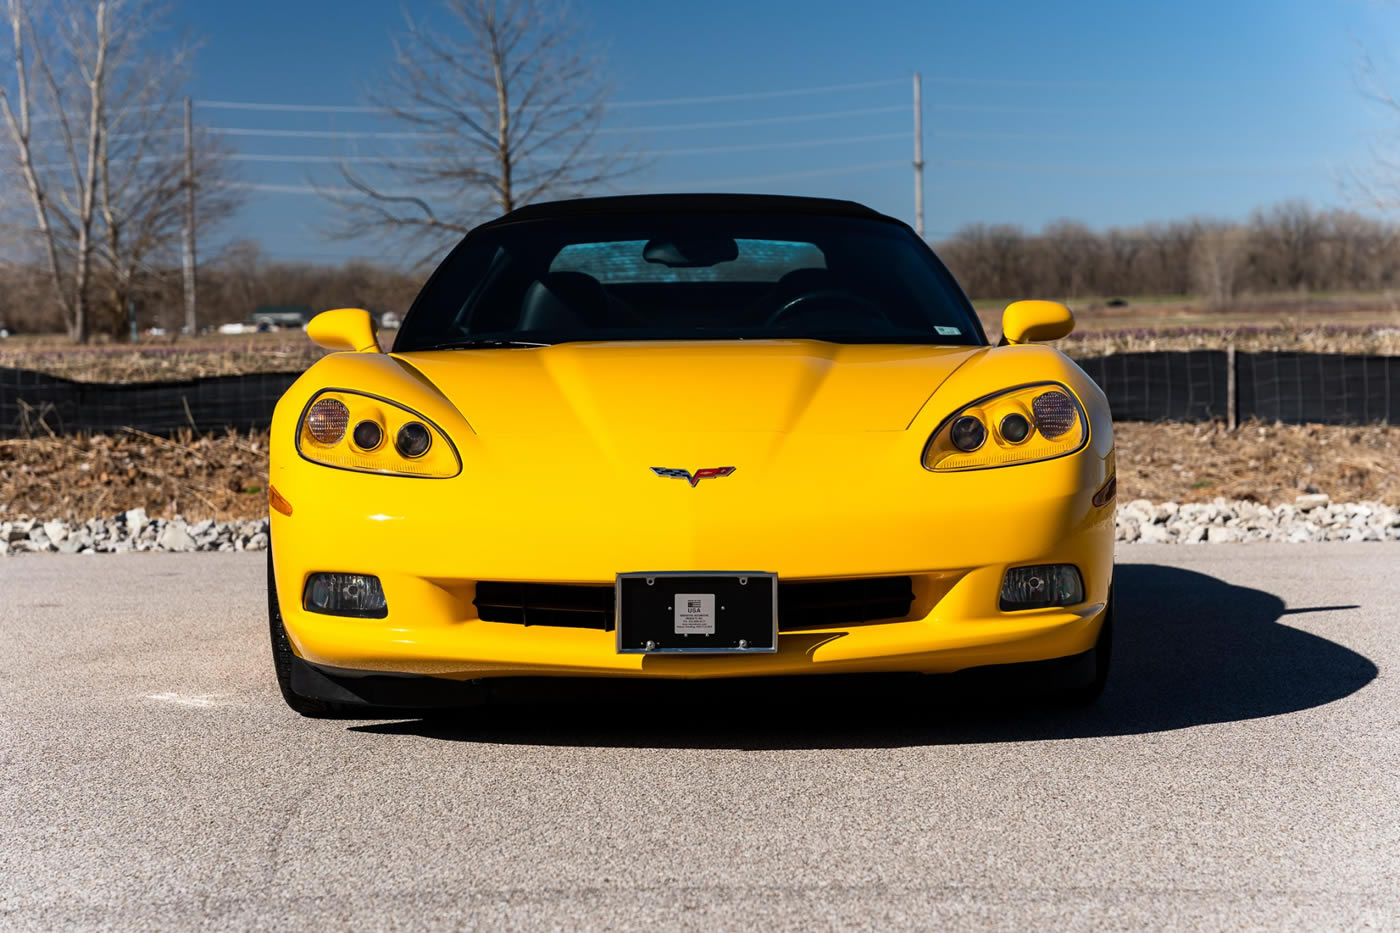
(686, 436)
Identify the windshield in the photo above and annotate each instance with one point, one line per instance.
(689, 277)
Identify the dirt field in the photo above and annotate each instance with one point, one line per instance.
(225, 477)
(161, 359)
(1344, 324)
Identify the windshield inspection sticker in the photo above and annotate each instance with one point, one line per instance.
(695, 613)
(947, 331)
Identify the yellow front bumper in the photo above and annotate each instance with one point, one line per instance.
(430, 541)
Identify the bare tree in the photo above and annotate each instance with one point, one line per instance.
(1073, 251)
(1217, 257)
(65, 223)
(1376, 185)
(503, 107)
(1287, 238)
(92, 117)
(1121, 249)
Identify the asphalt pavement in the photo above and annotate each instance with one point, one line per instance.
(1241, 771)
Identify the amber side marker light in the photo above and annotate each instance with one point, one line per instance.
(1106, 494)
(278, 501)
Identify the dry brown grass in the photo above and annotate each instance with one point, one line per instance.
(1346, 324)
(158, 362)
(77, 478)
(224, 477)
(1268, 463)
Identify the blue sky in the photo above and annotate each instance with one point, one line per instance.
(1114, 113)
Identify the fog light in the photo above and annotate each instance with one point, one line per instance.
(1041, 586)
(345, 594)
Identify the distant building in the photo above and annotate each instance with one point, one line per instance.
(280, 317)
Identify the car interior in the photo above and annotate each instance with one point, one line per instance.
(526, 300)
(542, 285)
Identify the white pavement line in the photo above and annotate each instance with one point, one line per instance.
(191, 699)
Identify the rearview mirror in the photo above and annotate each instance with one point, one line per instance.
(1027, 321)
(691, 252)
(345, 330)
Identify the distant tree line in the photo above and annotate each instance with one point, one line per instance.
(231, 286)
(1288, 247)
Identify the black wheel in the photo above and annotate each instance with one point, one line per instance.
(1085, 694)
(283, 658)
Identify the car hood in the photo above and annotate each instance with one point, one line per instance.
(719, 386)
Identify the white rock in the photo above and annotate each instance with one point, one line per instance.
(174, 537)
(56, 530)
(136, 521)
(1307, 503)
(1155, 534)
(1219, 535)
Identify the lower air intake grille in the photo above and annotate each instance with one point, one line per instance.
(800, 605)
(841, 602)
(559, 604)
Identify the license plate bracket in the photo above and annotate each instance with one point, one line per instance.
(678, 612)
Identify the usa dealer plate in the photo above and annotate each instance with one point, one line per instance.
(698, 612)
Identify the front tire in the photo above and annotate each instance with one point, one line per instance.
(1086, 694)
(283, 658)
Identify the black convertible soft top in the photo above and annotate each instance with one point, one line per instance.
(690, 203)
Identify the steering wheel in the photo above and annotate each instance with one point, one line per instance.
(845, 304)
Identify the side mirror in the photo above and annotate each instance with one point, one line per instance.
(1027, 321)
(344, 329)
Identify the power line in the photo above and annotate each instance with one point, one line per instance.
(291, 189)
(1112, 170)
(949, 80)
(982, 108)
(697, 150)
(672, 127)
(782, 176)
(794, 144)
(709, 182)
(1142, 82)
(757, 121)
(757, 95)
(323, 134)
(619, 105)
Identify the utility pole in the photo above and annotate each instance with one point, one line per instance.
(190, 316)
(918, 155)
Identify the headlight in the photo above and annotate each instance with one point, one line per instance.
(322, 437)
(1021, 425)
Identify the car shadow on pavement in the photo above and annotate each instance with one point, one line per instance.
(1189, 649)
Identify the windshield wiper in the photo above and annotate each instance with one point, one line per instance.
(487, 342)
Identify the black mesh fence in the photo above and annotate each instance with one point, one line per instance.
(1187, 385)
(1319, 387)
(35, 405)
(1162, 386)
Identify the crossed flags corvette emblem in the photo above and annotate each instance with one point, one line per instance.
(697, 476)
